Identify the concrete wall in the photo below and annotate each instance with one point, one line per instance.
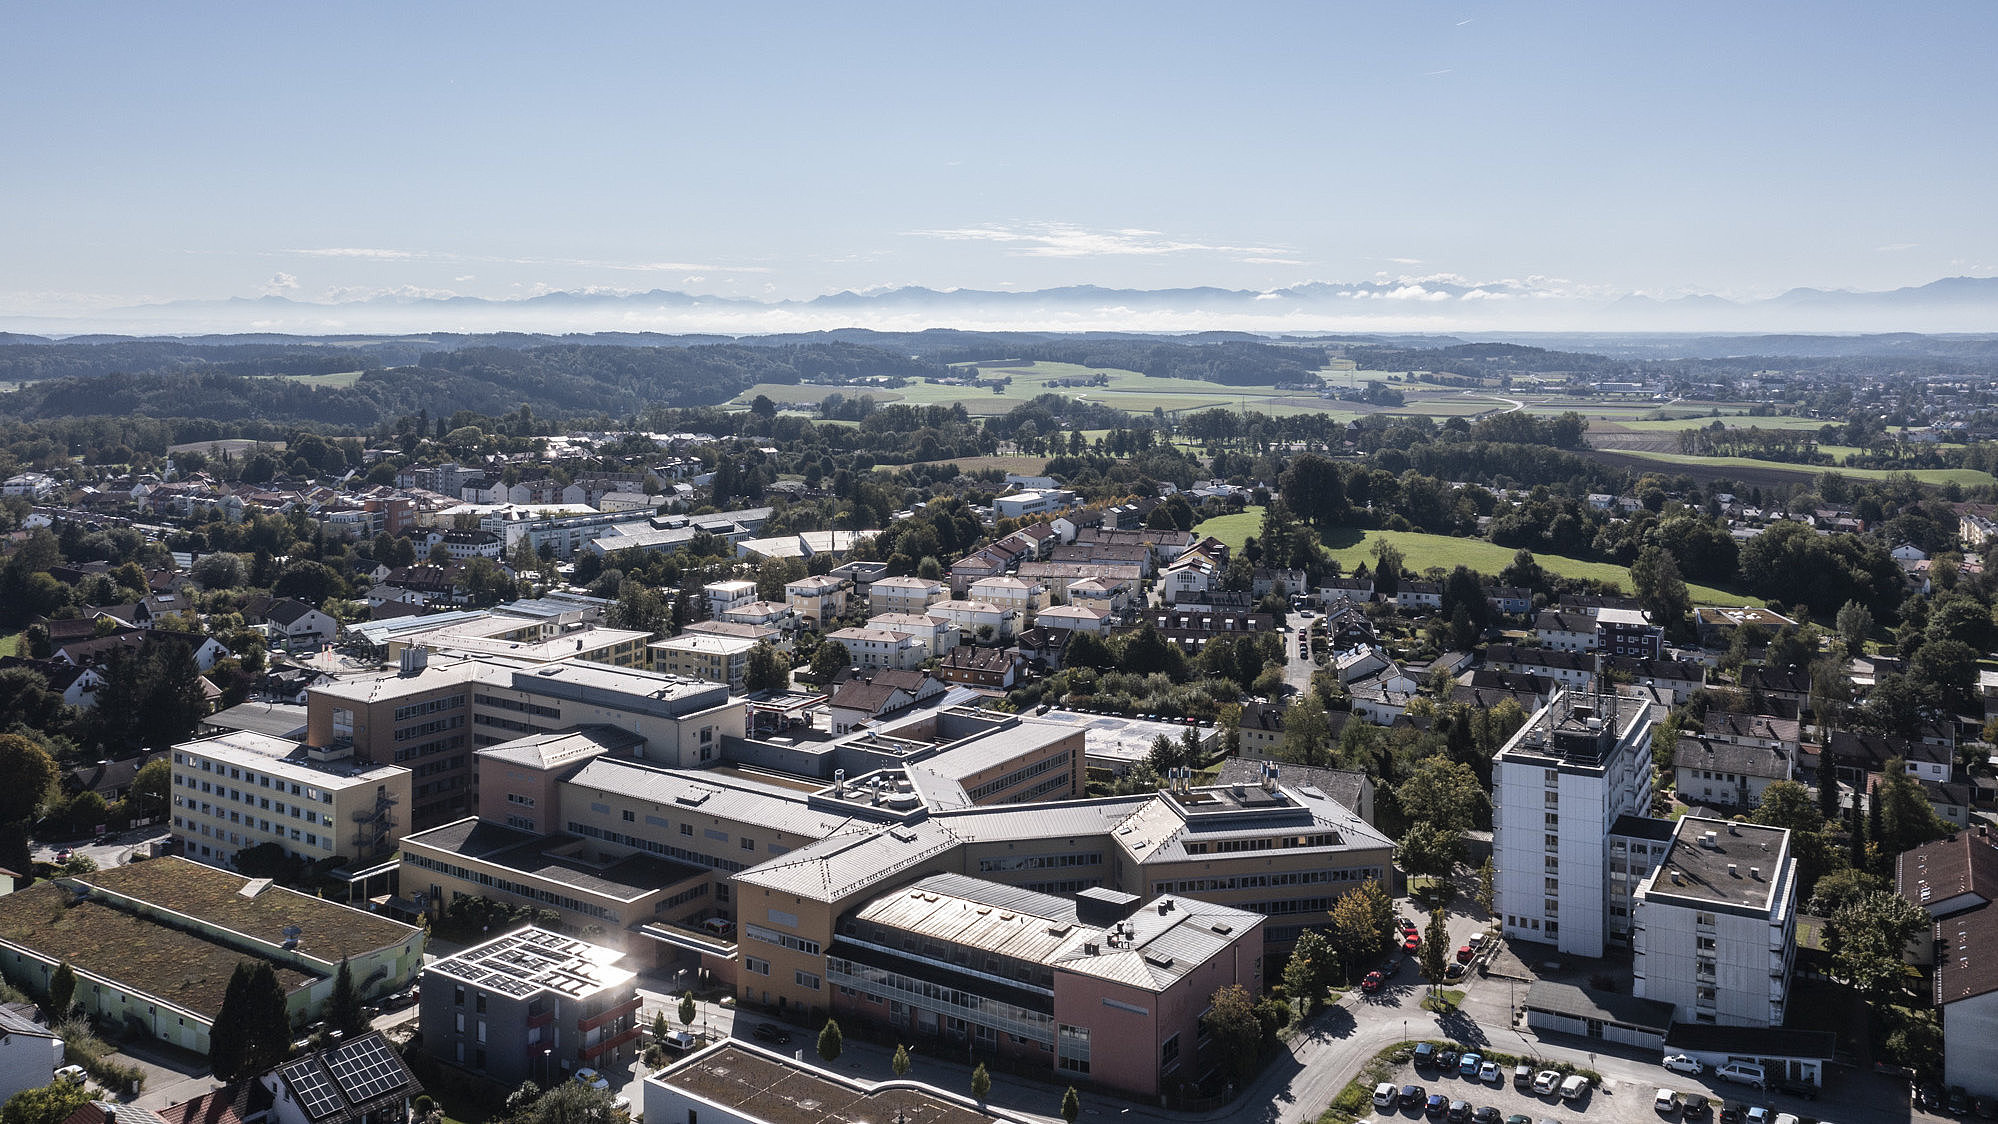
(1970, 1037)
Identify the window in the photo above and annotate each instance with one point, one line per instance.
(686, 829)
(760, 967)
(458, 995)
(806, 979)
(1169, 1053)
(748, 844)
(479, 1003)
(630, 816)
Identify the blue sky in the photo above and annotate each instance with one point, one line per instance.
(326, 152)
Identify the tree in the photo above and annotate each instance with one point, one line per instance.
(49, 1104)
(660, 1027)
(1442, 792)
(1071, 1105)
(344, 1011)
(1655, 578)
(1487, 885)
(830, 659)
(1434, 938)
(1787, 804)
(830, 1041)
(27, 777)
(251, 1033)
(768, 670)
(1305, 730)
(1869, 937)
(687, 1009)
(1429, 848)
(900, 1062)
(1906, 818)
(981, 1083)
(1304, 974)
(62, 992)
(1360, 920)
(1237, 1036)
(1855, 623)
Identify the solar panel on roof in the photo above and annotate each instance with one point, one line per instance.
(367, 1069)
(314, 1088)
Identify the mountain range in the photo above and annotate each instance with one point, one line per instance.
(1953, 304)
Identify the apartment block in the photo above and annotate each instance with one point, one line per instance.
(716, 659)
(531, 1006)
(1715, 925)
(1558, 788)
(243, 789)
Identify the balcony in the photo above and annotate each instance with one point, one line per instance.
(592, 1053)
(595, 1021)
(542, 1018)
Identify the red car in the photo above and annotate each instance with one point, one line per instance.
(1463, 954)
(1410, 941)
(1371, 983)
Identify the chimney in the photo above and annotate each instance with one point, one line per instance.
(1755, 872)
(1732, 872)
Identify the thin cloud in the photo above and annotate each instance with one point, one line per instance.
(1895, 247)
(1406, 261)
(360, 252)
(280, 284)
(1063, 240)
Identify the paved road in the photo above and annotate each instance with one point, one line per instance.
(116, 850)
(1298, 664)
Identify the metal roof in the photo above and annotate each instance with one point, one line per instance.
(709, 794)
(836, 868)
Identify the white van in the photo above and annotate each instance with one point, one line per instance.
(1742, 1073)
(1574, 1088)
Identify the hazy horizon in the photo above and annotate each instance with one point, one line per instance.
(1557, 157)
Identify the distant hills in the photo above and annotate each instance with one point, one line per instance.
(1423, 305)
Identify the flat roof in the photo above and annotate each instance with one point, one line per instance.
(282, 757)
(624, 879)
(1704, 874)
(251, 906)
(1606, 1006)
(756, 1085)
(528, 961)
(549, 751)
(136, 954)
(1111, 737)
(706, 642)
(277, 720)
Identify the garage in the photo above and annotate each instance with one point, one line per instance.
(1605, 1016)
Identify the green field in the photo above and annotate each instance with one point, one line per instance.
(1421, 551)
(1968, 477)
(338, 379)
(1736, 421)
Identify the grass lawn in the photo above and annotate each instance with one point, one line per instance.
(1734, 421)
(1421, 551)
(10, 644)
(1968, 477)
(1025, 466)
(1443, 1001)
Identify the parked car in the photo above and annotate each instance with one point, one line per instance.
(1490, 1073)
(1742, 1073)
(1486, 1114)
(1574, 1088)
(1460, 1111)
(71, 1073)
(1696, 1106)
(1803, 1090)
(1464, 954)
(1666, 1103)
(771, 1033)
(63, 855)
(1787, 1118)
(1756, 1114)
(1959, 1100)
(1454, 972)
(1384, 1094)
(1929, 1096)
(1372, 983)
(1411, 941)
(1522, 1076)
(1732, 1112)
(1680, 1063)
(1412, 1096)
(591, 1078)
(1447, 1058)
(1436, 1106)
(678, 1040)
(1519, 1118)
(1546, 1081)
(1425, 1053)
(1467, 1065)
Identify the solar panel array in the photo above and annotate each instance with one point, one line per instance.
(366, 1069)
(314, 1088)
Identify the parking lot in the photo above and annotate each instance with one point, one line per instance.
(1597, 1106)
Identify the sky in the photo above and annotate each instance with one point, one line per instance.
(194, 151)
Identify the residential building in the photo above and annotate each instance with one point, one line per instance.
(980, 621)
(874, 648)
(531, 1006)
(815, 601)
(728, 1083)
(1019, 505)
(1571, 669)
(244, 789)
(1715, 926)
(1074, 618)
(996, 669)
(723, 596)
(1628, 633)
(29, 1053)
(717, 659)
(1559, 785)
(1716, 625)
(289, 621)
(1955, 880)
(1419, 596)
(359, 1081)
(1566, 631)
(153, 944)
(933, 635)
(1715, 772)
(1853, 754)
(907, 595)
(1010, 593)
